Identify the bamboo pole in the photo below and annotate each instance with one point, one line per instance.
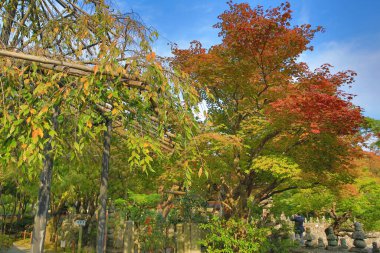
(71, 68)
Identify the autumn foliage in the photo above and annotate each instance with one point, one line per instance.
(257, 90)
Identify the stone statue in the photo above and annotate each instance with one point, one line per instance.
(343, 243)
(320, 244)
(358, 236)
(332, 240)
(375, 248)
(308, 238)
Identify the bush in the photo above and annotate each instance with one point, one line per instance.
(234, 235)
(238, 235)
(6, 241)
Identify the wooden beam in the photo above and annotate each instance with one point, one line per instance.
(71, 68)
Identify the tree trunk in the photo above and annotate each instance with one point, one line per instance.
(103, 188)
(4, 217)
(40, 218)
(12, 220)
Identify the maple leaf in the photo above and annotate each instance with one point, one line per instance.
(37, 132)
(150, 57)
(96, 68)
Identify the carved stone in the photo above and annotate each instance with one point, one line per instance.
(332, 240)
(358, 236)
(308, 238)
(375, 248)
(320, 244)
(343, 243)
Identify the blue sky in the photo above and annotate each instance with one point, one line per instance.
(351, 40)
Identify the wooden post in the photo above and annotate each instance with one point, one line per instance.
(73, 247)
(80, 239)
(129, 237)
(24, 235)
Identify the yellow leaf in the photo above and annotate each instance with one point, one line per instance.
(114, 111)
(33, 111)
(107, 68)
(200, 171)
(28, 120)
(85, 85)
(56, 29)
(110, 95)
(159, 66)
(89, 124)
(23, 146)
(44, 109)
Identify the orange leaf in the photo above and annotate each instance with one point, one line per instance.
(151, 56)
(44, 109)
(37, 132)
(96, 68)
(315, 131)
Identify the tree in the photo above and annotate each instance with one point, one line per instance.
(123, 83)
(371, 128)
(282, 126)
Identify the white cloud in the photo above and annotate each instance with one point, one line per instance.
(353, 56)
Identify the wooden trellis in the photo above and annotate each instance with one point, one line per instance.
(19, 33)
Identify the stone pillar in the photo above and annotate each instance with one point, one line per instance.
(195, 237)
(129, 237)
(187, 237)
(180, 239)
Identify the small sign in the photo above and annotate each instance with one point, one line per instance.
(80, 222)
(63, 244)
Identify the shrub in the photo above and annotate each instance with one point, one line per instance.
(234, 235)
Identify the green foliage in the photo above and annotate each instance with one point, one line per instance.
(365, 207)
(372, 127)
(6, 241)
(234, 235)
(152, 234)
(306, 201)
(278, 166)
(145, 200)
